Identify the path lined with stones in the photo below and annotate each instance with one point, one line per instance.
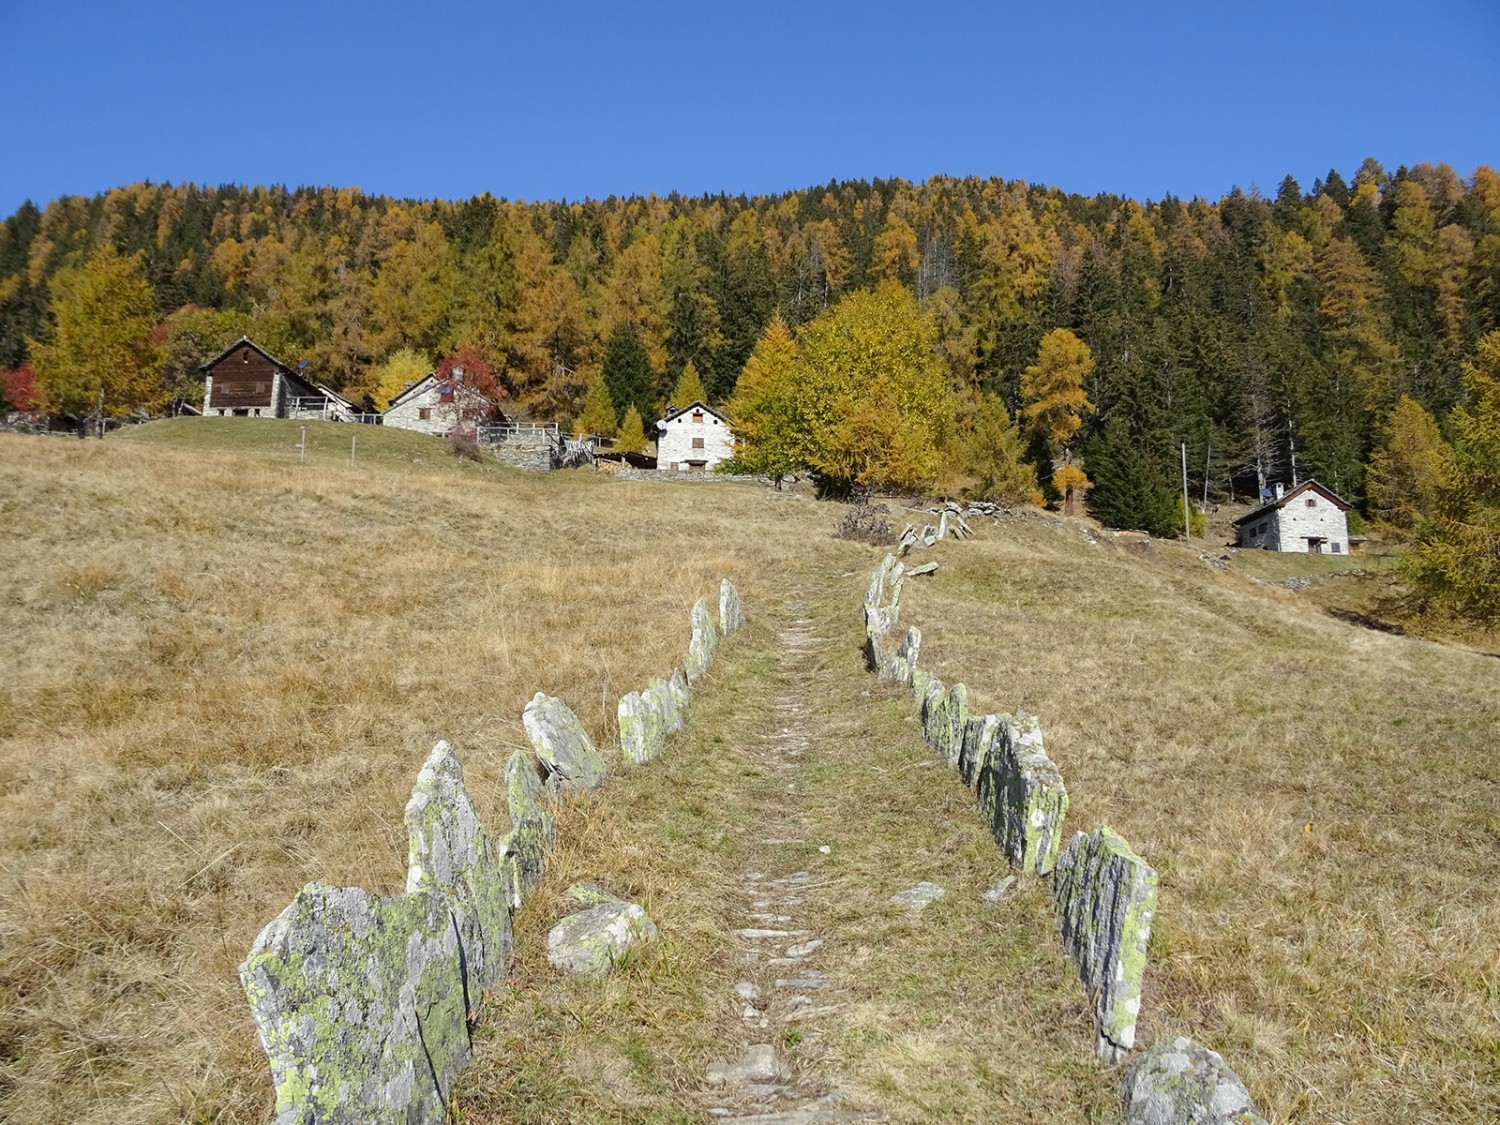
(777, 1074)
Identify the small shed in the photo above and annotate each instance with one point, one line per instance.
(436, 406)
(693, 439)
(1310, 519)
(246, 381)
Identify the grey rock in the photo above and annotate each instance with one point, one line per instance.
(568, 757)
(642, 725)
(731, 616)
(533, 828)
(1183, 1083)
(1000, 889)
(1106, 900)
(702, 643)
(758, 1065)
(450, 854)
(804, 948)
(925, 568)
(747, 991)
(1021, 794)
(920, 897)
(360, 1006)
(908, 540)
(597, 939)
(978, 735)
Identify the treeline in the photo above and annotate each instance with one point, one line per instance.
(1270, 335)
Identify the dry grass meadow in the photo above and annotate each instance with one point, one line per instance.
(223, 667)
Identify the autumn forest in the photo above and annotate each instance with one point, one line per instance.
(1270, 335)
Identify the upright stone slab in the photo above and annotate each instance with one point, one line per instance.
(643, 724)
(1106, 899)
(935, 718)
(681, 695)
(898, 665)
(948, 740)
(533, 828)
(979, 734)
(1022, 796)
(359, 1003)
(921, 682)
(569, 760)
(704, 640)
(449, 853)
(1179, 1082)
(875, 592)
(731, 616)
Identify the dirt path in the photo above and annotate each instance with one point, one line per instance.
(778, 1071)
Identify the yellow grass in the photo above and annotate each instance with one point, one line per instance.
(222, 669)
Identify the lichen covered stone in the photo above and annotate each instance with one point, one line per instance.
(702, 643)
(597, 939)
(449, 853)
(568, 757)
(360, 1005)
(731, 616)
(1106, 900)
(1180, 1082)
(979, 733)
(641, 727)
(533, 828)
(1021, 794)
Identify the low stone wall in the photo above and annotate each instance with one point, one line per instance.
(364, 1004)
(626, 473)
(535, 452)
(1105, 893)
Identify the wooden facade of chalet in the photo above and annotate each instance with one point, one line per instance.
(246, 381)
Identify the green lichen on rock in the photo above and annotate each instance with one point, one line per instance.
(1106, 900)
(974, 746)
(636, 728)
(599, 938)
(1180, 1082)
(449, 853)
(921, 682)
(702, 643)
(1021, 794)
(934, 710)
(360, 1006)
(590, 894)
(898, 665)
(563, 747)
(947, 739)
(533, 827)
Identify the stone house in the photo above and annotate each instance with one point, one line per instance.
(693, 439)
(1309, 518)
(435, 406)
(246, 381)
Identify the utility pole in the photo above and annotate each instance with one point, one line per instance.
(353, 438)
(1187, 521)
(302, 445)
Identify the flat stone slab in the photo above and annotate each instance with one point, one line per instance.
(925, 568)
(1180, 1082)
(595, 940)
(920, 897)
(757, 1065)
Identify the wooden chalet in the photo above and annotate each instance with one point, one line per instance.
(246, 381)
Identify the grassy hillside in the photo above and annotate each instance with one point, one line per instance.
(220, 669)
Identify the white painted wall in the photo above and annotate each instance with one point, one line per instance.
(674, 441)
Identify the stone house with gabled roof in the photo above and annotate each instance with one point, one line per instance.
(1310, 519)
(693, 439)
(246, 381)
(435, 406)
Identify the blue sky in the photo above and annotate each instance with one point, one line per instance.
(547, 101)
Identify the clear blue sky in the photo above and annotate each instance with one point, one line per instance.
(567, 100)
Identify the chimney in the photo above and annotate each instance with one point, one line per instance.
(1280, 491)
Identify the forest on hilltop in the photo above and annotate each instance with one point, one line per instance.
(1258, 331)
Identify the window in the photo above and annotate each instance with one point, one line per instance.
(697, 443)
(1335, 549)
(424, 413)
(1312, 502)
(697, 416)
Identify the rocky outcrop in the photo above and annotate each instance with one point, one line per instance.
(1179, 1082)
(597, 939)
(731, 616)
(450, 854)
(1106, 899)
(568, 757)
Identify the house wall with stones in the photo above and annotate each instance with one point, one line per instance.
(245, 382)
(694, 439)
(421, 407)
(1304, 521)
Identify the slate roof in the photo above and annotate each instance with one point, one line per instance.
(695, 404)
(1306, 486)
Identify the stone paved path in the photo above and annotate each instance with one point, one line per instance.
(777, 1074)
